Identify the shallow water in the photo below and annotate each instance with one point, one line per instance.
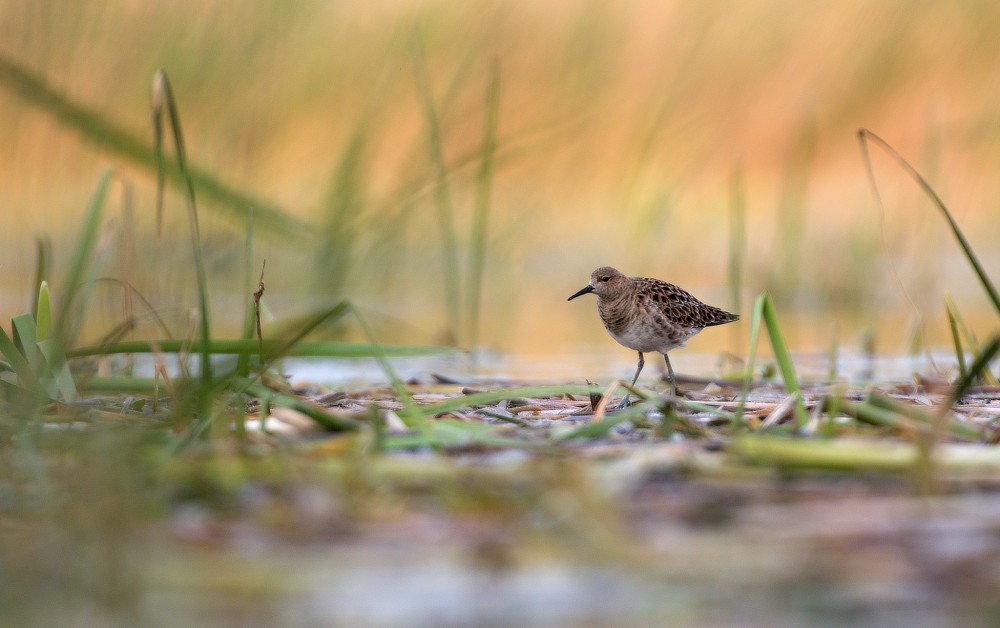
(597, 367)
(602, 367)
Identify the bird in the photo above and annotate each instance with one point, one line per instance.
(646, 314)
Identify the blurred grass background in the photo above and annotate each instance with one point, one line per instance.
(630, 133)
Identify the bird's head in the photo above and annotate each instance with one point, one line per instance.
(604, 282)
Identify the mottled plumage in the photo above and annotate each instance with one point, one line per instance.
(649, 315)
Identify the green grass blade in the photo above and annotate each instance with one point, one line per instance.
(881, 402)
(442, 195)
(600, 429)
(285, 346)
(94, 126)
(850, 456)
(755, 321)
(313, 411)
(467, 401)
(62, 383)
(961, 332)
(979, 365)
(343, 205)
(452, 433)
(43, 259)
(43, 313)
(163, 101)
(484, 183)
(249, 312)
(865, 136)
(411, 411)
(955, 338)
(67, 320)
(784, 359)
(18, 363)
(25, 338)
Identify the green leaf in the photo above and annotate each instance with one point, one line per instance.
(25, 374)
(62, 379)
(25, 337)
(43, 325)
(453, 433)
(79, 262)
(784, 359)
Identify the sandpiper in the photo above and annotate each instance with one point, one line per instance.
(646, 314)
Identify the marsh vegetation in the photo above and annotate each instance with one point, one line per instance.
(447, 175)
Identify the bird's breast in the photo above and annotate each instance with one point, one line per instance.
(642, 329)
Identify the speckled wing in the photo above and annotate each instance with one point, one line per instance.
(680, 306)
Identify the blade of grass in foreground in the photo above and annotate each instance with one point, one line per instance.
(163, 101)
(755, 318)
(250, 313)
(43, 254)
(864, 137)
(855, 455)
(18, 363)
(466, 401)
(412, 412)
(784, 359)
(960, 330)
(453, 433)
(763, 310)
(43, 313)
(978, 366)
(955, 338)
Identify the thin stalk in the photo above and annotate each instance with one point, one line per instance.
(925, 469)
(864, 137)
(737, 245)
(978, 366)
(442, 195)
(484, 183)
(43, 313)
(416, 416)
(67, 320)
(965, 333)
(955, 338)
(127, 265)
(755, 319)
(94, 126)
(784, 359)
(249, 316)
(163, 98)
(43, 259)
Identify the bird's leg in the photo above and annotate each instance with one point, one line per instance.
(638, 369)
(670, 376)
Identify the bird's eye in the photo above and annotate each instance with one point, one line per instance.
(606, 278)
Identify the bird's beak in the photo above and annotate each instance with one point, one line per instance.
(588, 288)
